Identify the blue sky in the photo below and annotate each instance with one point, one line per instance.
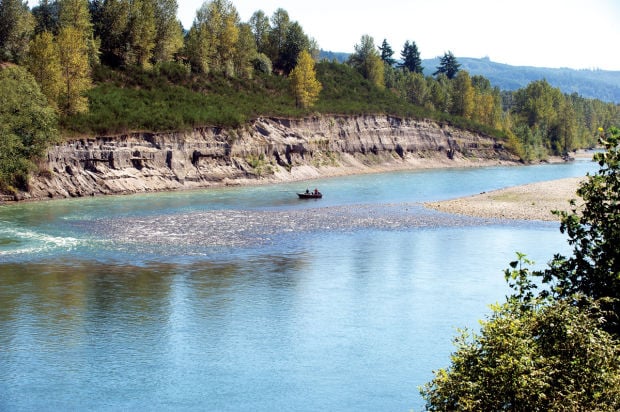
(580, 34)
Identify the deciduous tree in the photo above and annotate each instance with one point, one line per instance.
(76, 14)
(75, 71)
(367, 61)
(552, 357)
(280, 22)
(142, 32)
(259, 22)
(594, 232)
(43, 62)
(306, 87)
(462, 95)
(169, 31)
(27, 126)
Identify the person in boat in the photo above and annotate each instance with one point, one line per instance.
(307, 191)
(316, 191)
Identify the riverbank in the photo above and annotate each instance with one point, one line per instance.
(268, 150)
(533, 201)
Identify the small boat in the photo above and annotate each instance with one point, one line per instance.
(310, 195)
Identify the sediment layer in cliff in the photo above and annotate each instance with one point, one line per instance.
(265, 150)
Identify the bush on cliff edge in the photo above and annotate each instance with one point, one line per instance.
(27, 126)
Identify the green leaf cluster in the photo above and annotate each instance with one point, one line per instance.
(27, 126)
(552, 358)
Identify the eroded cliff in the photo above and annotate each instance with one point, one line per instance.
(266, 150)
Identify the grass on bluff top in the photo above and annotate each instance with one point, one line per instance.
(172, 99)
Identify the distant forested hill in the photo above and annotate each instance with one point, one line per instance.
(592, 84)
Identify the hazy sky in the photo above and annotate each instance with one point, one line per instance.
(545, 33)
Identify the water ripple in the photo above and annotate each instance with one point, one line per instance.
(251, 227)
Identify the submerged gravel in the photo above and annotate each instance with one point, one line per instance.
(251, 227)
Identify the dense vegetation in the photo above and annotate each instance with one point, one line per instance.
(112, 66)
(558, 349)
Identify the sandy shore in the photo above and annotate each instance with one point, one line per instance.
(533, 201)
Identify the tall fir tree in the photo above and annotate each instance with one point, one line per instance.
(387, 53)
(411, 58)
(448, 65)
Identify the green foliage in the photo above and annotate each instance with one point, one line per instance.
(169, 36)
(305, 86)
(27, 126)
(550, 357)
(387, 53)
(367, 61)
(594, 232)
(43, 62)
(597, 84)
(138, 99)
(411, 58)
(74, 70)
(16, 29)
(448, 65)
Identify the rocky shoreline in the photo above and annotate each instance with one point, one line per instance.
(533, 201)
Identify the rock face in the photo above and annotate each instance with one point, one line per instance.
(265, 150)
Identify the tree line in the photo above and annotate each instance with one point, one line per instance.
(539, 119)
(62, 43)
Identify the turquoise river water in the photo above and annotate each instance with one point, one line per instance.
(239, 299)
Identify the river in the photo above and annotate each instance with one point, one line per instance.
(248, 298)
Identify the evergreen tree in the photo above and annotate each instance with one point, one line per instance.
(387, 53)
(305, 86)
(16, 29)
(46, 16)
(448, 65)
(411, 58)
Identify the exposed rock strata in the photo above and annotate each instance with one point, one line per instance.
(266, 150)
